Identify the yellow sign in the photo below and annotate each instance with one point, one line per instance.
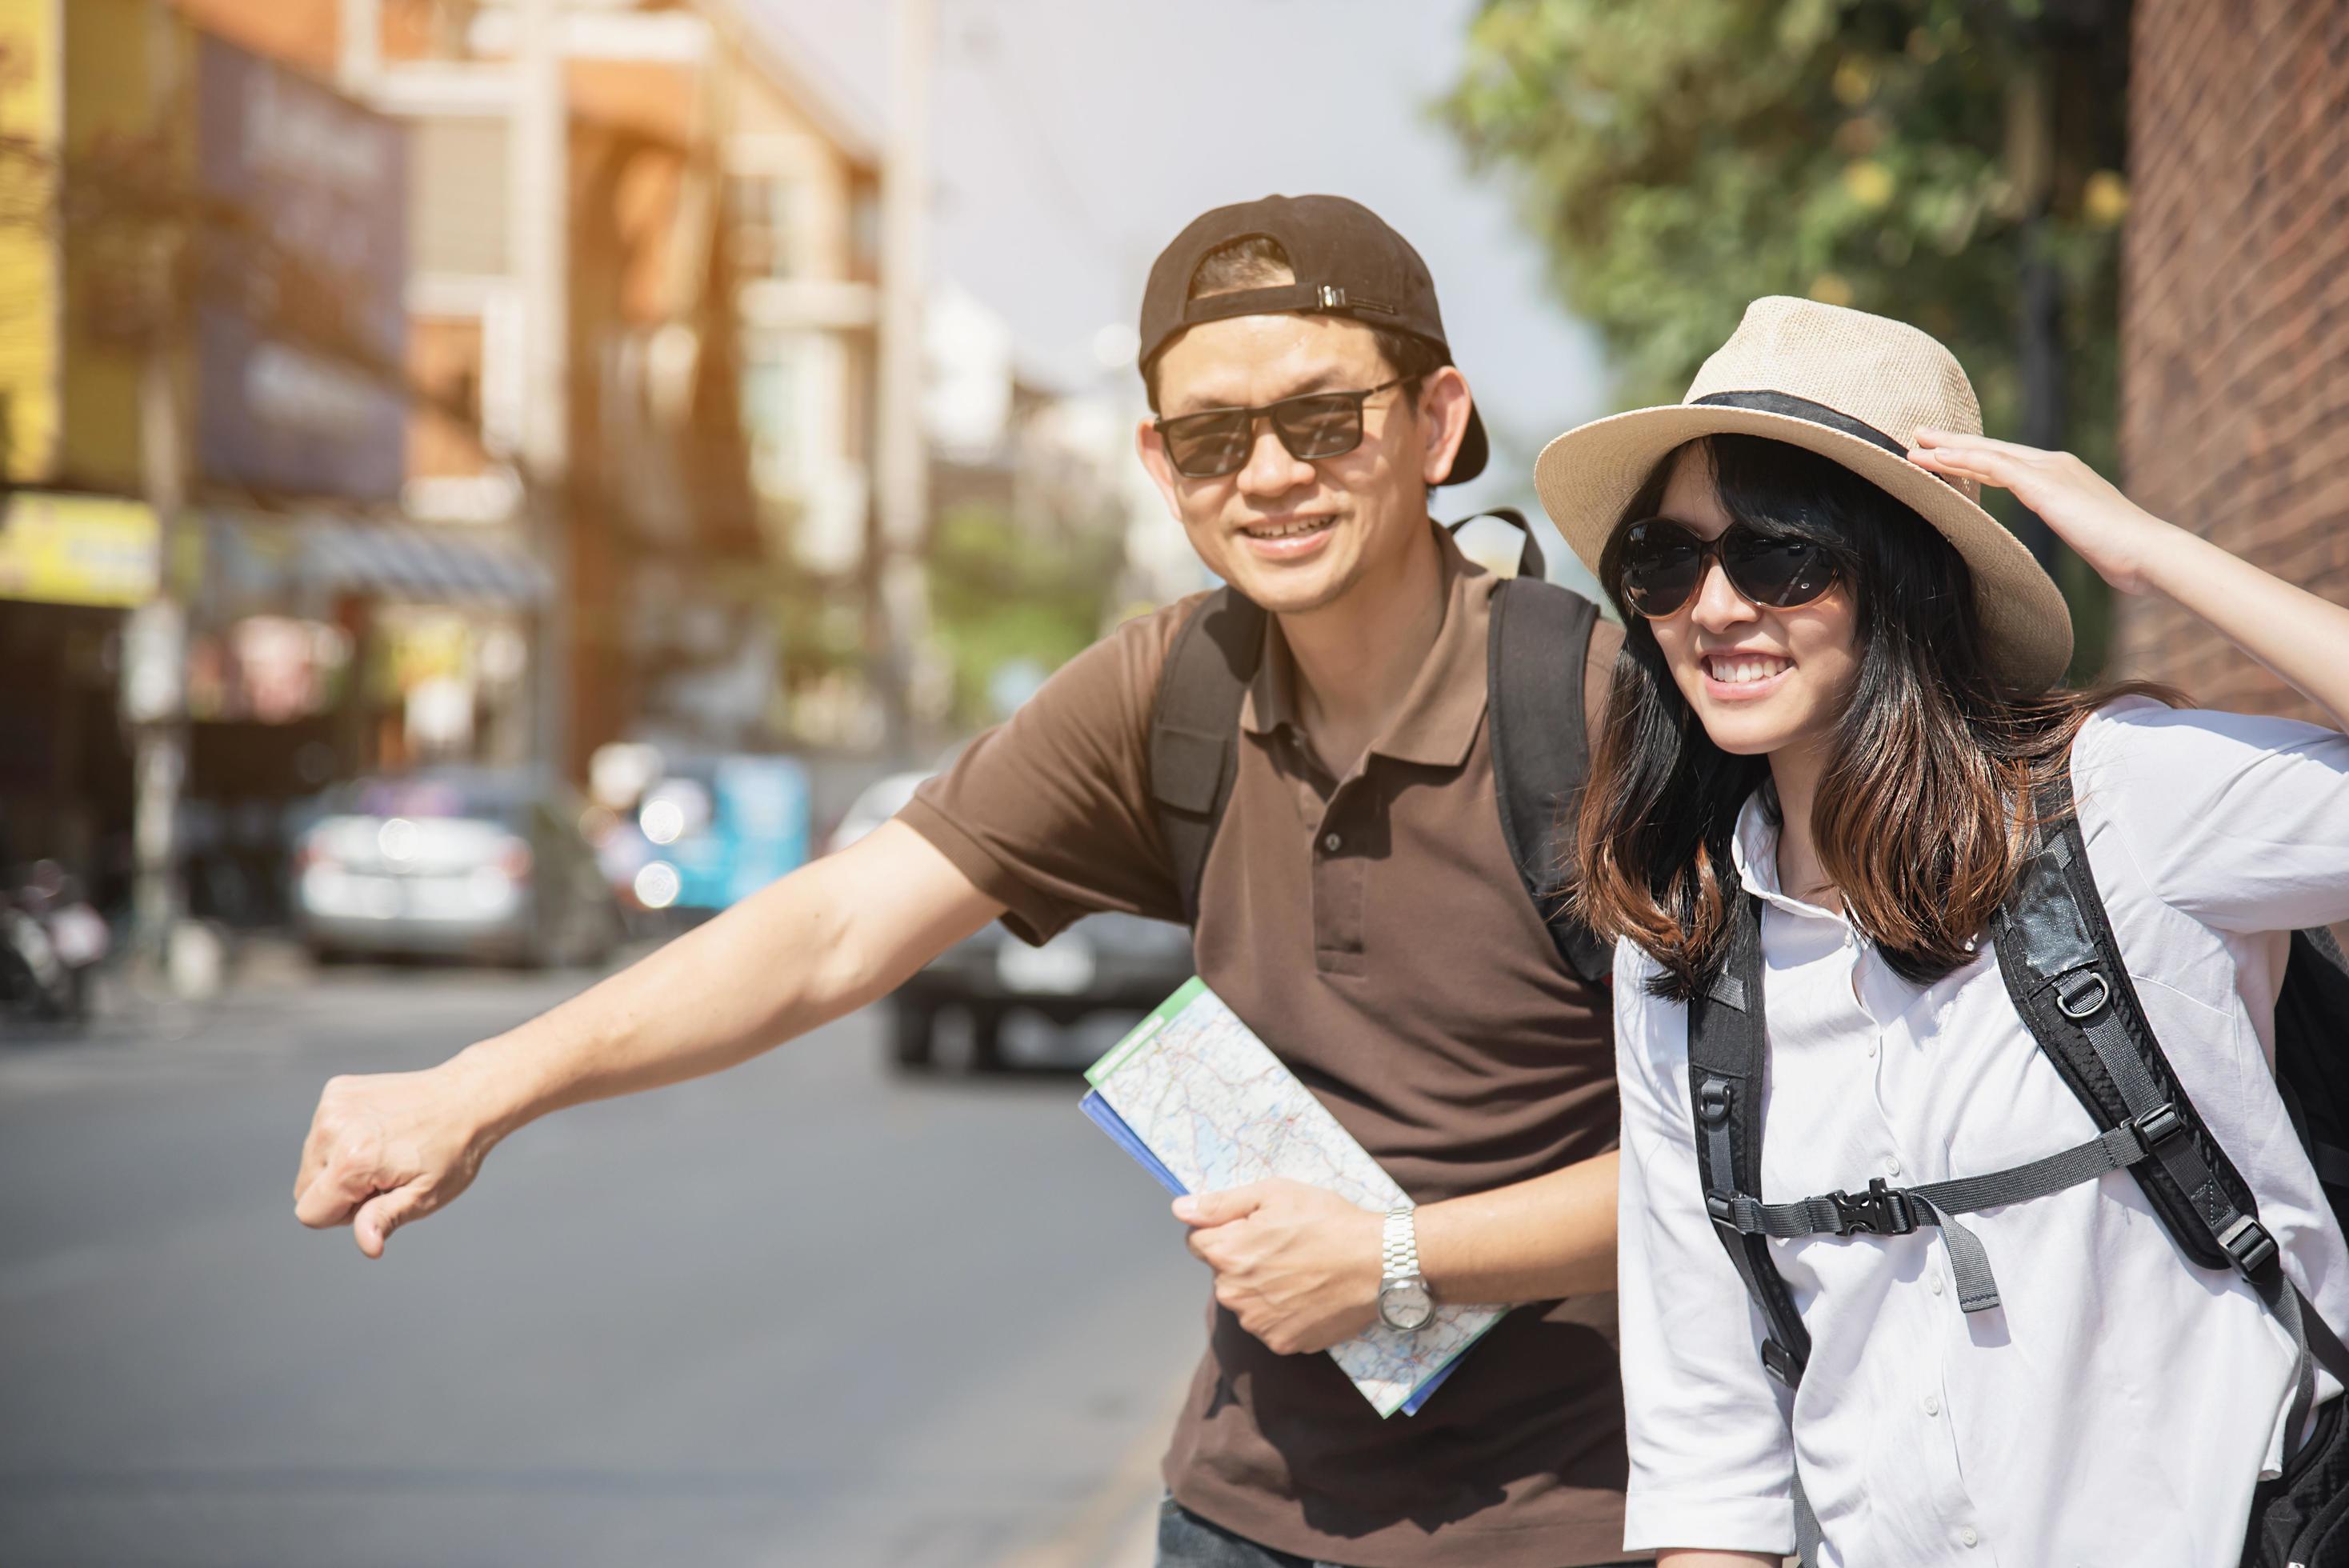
(77, 550)
(30, 250)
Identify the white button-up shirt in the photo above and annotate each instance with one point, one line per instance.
(2121, 1404)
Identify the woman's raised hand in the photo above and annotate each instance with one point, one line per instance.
(2291, 631)
(2108, 530)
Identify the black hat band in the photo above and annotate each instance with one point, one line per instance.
(1795, 407)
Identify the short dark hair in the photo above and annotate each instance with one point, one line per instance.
(1262, 262)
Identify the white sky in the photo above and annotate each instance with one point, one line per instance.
(1074, 138)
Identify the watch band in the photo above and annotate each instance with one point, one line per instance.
(1399, 1254)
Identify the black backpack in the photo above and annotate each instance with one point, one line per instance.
(1539, 639)
(2063, 971)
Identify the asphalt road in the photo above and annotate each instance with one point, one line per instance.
(802, 1313)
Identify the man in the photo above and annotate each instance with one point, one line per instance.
(1359, 907)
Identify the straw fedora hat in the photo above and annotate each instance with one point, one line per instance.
(1850, 386)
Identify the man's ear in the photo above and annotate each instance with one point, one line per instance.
(1444, 405)
(1151, 447)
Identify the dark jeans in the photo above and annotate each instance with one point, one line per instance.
(1188, 1540)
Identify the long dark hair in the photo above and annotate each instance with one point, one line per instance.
(1923, 814)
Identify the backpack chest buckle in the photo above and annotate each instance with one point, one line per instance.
(1878, 1211)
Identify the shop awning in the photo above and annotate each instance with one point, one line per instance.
(276, 562)
(403, 560)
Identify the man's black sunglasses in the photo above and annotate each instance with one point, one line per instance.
(1662, 563)
(1312, 425)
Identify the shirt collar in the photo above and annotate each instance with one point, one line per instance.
(1438, 718)
(1754, 851)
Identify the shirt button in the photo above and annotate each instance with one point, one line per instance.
(1933, 1407)
(1969, 1536)
(1933, 1283)
(1892, 1166)
(1332, 843)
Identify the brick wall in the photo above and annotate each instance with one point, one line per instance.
(2235, 312)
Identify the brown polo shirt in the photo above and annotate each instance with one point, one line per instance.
(1372, 929)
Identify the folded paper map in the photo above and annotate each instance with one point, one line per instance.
(1201, 1103)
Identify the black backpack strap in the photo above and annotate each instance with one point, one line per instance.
(1728, 1043)
(2064, 972)
(2064, 969)
(1195, 731)
(2312, 1053)
(1883, 1210)
(1531, 566)
(1540, 640)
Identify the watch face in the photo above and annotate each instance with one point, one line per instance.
(1407, 1304)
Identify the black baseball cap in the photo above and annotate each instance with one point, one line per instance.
(1347, 262)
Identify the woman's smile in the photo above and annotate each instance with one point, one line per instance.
(1744, 675)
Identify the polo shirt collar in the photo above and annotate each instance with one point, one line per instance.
(1438, 719)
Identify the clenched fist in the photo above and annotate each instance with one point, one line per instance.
(386, 1148)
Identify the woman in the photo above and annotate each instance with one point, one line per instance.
(1837, 698)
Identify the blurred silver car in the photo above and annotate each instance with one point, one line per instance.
(458, 862)
(874, 804)
(1104, 963)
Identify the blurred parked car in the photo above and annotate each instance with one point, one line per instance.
(705, 833)
(874, 804)
(1104, 963)
(463, 863)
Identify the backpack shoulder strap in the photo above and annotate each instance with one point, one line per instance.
(1728, 1047)
(1540, 639)
(1195, 731)
(2064, 972)
(2312, 1053)
(2062, 969)
(1531, 565)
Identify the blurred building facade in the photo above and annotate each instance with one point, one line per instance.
(76, 553)
(1052, 475)
(688, 272)
(2235, 312)
(205, 319)
(518, 369)
(463, 463)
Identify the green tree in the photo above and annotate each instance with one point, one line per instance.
(1954, 164)
(1003, 594)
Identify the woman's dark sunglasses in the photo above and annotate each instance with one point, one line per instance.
(1312, 425)
(1661, 564)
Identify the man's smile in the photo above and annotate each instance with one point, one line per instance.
(1288, 538)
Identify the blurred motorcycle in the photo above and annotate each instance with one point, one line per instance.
(50, 941)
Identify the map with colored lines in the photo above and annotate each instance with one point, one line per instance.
(1204, 1105)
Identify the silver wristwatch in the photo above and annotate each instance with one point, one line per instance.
(1404, 1301)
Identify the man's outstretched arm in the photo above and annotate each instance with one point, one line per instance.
(394, 1146)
